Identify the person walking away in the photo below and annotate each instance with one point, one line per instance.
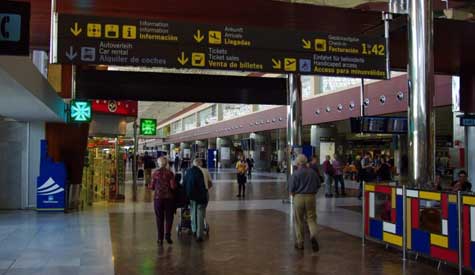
(328, 175)
(195, 189)
(315, 167)
(148, 165)
(359, 175)
(303, 188)
(462, 184)
(207, 179)
(163, 183)
(338, 176)
(241, 167)
(250, 165)
(176, 164)
(384, 171)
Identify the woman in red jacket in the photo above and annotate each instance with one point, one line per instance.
(163, 183)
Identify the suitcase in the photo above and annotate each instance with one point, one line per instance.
(140, 174)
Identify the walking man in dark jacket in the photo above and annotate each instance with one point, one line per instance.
(198, 195)
(303, 188)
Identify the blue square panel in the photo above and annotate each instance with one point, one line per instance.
(420, 241)
(453, 226)
(376, 229)
(399, 217)
(472, 255)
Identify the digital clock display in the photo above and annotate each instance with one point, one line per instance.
(376, 49)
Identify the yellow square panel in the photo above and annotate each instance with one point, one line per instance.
(369, 187)
(429, 195)
(453, 198)
(392, 239)
(439, 240)
(468, 200)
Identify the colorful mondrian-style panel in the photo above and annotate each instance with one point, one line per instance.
(468, 231)
(443, 246)
(388, 231)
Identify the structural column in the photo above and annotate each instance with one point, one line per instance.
(262, 151)
(185, 149)
(134, 166)
(280, 145)
(421, 86)
(317, 134)
(467, 105)
(294, 119)
(224, 145)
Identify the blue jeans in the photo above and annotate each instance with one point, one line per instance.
(328, 184)
(339, 179)
(197, 218)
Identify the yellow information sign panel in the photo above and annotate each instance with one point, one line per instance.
(129, 32)
(111, 31)
(198, 59)
(214, 37)
(290, 64)
(320, 45)
(94, 30)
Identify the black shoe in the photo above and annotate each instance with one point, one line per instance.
(169, 240)
(160, 242)
(238, 196)
(298, 246)
(199, 240)
(343, 194)
(315, 246)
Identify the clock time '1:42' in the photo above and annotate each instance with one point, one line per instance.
(376, 49)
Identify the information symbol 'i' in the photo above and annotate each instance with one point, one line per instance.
(129, 32)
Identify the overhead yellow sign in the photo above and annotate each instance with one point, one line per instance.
(198, 59)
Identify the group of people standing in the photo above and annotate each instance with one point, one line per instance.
(168, 195)
(333, 171)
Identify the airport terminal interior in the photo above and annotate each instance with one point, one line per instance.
(237, 137)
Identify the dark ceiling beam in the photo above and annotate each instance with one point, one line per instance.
(120, 85)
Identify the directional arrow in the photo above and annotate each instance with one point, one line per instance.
(182, 60)
(277, 64)
(198, 36)
(306, 44)
(71, 54)
(76, 31)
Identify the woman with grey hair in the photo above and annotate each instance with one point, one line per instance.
(163, 183)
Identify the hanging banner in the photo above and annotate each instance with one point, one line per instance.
(158, 43)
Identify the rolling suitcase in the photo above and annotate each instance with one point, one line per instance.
(140, 174)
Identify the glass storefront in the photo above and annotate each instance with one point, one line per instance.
(104, 171)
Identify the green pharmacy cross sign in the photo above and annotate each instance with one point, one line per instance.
(80, 112)
(148, 127)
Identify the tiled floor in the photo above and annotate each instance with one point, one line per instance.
(250, 236)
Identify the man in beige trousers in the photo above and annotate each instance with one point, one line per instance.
(303, 187)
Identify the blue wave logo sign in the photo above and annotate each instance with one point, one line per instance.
(49, 188)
